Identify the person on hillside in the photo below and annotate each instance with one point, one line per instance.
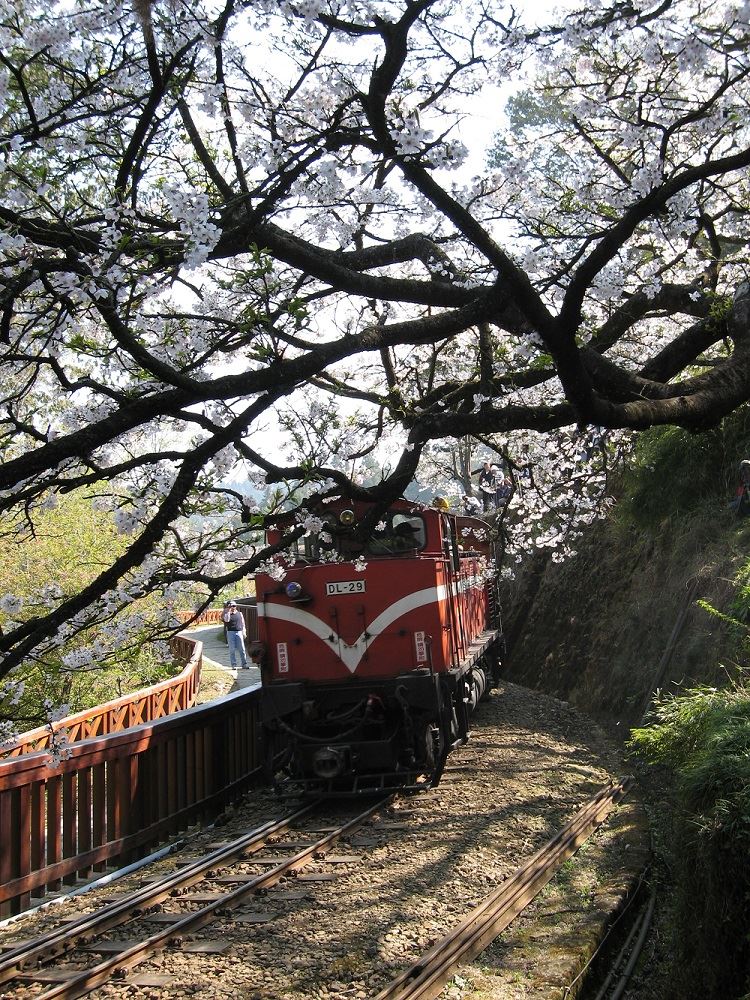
(487, 486)
(235, 625)
(471, 505)
(503, 488)
(741, 502)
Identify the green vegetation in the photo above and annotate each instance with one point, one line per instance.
(674, 472)
(72, 543)
(699, 739)
(703, 737)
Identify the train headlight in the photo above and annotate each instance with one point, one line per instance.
(293, 590)
(347, 518)
(329, 762)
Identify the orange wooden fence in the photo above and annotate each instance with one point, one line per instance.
(147, 705)
(210, 617)
(143, 768)
(120, 795)
(246, 606)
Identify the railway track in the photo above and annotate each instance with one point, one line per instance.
(421, 863)
(424, 979)
(61, 963)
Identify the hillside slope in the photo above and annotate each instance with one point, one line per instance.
(605, 628)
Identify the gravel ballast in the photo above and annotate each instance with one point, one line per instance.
(421, 865)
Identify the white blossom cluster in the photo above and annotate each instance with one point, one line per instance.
(273, 568)
(175, 591)
(59, 748)
(411, 138)
(11, 691)
(127, 520)
(568, 494)
(225, 460)
(8, 735)
(191, 210)
(213, 563)
(312, 524)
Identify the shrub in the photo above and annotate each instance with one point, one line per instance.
(704, 736)
(674, 471)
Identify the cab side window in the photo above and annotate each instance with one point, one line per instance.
(410, 527)
(397, 534)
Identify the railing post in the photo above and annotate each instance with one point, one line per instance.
(54, 819)
(69, 822)
(134, 811)
(171, 782)
(85, 815)
(199, 749)
(24, 842)
(99, 809)
(38, 832)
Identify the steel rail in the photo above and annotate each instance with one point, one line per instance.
(89, 979)
(61, 939)
(641, 927)
(425, 979)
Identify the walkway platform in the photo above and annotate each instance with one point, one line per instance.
(216, 651)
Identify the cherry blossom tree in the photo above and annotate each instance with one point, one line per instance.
(218, 216)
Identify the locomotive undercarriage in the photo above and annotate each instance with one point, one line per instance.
(369, 736)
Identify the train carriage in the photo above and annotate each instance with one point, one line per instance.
(375, 646)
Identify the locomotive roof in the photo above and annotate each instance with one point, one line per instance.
(400, 506)
(336, 503)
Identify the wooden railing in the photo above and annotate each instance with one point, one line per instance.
(147, 705)
(210, 617)
(120, 795)
(246, 607)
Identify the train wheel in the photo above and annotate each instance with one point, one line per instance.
(489, 678)
(440, 755)
(431, 751)
(441, 742)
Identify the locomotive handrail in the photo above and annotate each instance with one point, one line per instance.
(146, 705)
(121, 794)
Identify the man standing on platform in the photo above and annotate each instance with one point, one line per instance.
(235, 623)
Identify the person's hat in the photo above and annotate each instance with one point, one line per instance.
(232, 604)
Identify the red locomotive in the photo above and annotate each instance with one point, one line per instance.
(376, 641)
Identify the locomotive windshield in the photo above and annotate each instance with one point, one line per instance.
(395, 534)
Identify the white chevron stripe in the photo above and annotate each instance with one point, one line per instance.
(352, 655)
